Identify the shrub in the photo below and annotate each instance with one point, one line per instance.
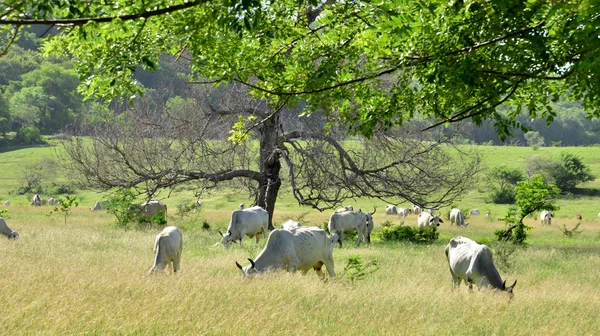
(410, 234)
(357, 270)
(64, 206)
(565, 172)
(60, 189)
(570, 233)
(28, 136)
(121, 204)
(503, 181)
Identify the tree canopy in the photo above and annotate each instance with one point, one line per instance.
(367, 64)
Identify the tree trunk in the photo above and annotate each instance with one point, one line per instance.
(270, 166)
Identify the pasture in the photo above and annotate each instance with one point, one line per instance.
(87, 277)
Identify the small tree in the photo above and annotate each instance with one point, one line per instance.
(64, 207)
(532, 195)
(121, 204)
(569, 171)
(503, 181)
(534, 139)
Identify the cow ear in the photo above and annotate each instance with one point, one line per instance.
(440, 220)
(239, 266)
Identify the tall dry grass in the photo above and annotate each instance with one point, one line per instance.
(87, 277)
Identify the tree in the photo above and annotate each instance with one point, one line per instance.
(534, 139)
(565, 172)
(503, 181)
(5, 117)
(187, 146)
(370, 64)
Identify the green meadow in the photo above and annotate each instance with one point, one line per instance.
(89, 277)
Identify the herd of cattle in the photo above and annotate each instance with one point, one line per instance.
(295, 247)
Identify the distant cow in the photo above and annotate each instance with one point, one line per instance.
(402, 213)
(167, 249)
(579, 217)
(391, 210)
(432, 211)
(151, 209)
(546, 217)
(456, 217)
(53, 201)
(425, 219)
(416, 209)
(251, 222)
(97, 207)
(346, 208)
(5, 230)
(301, 249)
(290, 225)
(488, 214)
(474, 212)
(7, 203)
(242, 206)
(37, 200)
(473, 263)
(345, 222)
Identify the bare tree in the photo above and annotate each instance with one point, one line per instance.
(186, 146)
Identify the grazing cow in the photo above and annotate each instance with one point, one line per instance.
(579, 217)
(402, 213)
(346, 208)
(391, 210)
(344, 222)
(97, 207)
(251, 222)
(474, 212)
(53, 201)
(242, 206)
(5, 230)
(290, 225)
(456, 217)
(416, 209)
(7, 203)
(425, 219)
(301, 249)
(473, 263)
(37, 200)
(488, 214)
(546, 217)
(167, 248)
(152, 208)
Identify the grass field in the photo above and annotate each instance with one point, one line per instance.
(87, 277)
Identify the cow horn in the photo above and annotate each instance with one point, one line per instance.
(221, 233)
(229, 232)
(239, 266)
(514, 284)
(504, 285)
(374, 211)
(252, 262)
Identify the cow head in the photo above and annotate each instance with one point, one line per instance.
(435, 220)
(509, 290)
(13, 235)
(226, 239)
(249, 270)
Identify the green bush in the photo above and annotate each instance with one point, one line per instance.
(121, 204)
(28, 136)
(427, 235)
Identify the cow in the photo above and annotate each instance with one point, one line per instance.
(290, 225)
(416, 209)
(432, 211)
(53, 201)
(473, 263)
(167, 249)
(7, 203)
(579, 217)
(474, 212)
(251, 222)
(546, 217)
(242, 206)
(456, 217)
(425, 219)
(488, 214)
(300, 249)
(346, 208)
(152, 208)
(37, 200)
(402, 213)
(344, 222)
(391, 210)
(97, 207)
(5, 230)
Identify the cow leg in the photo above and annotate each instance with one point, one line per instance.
(360, 238)
(176, 262)
(340, 241)
(455, 280)
(329, 265)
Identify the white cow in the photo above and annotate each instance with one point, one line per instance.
(301, 249)
(391, 210)
(416, 209)
(474, 212)
(37, 200)
(97, 207)
(346, 208)
(546, 217)
(488, 214)
(403, 212)
(5, 230)
(242, 206)
(167, 248)
(53, 201)
(251, 222)
(473, 263)
(456, 217)
(425, 219)
(152, 208)
(599, 215)
(290, 225)
(7, 203)
(344, 222)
